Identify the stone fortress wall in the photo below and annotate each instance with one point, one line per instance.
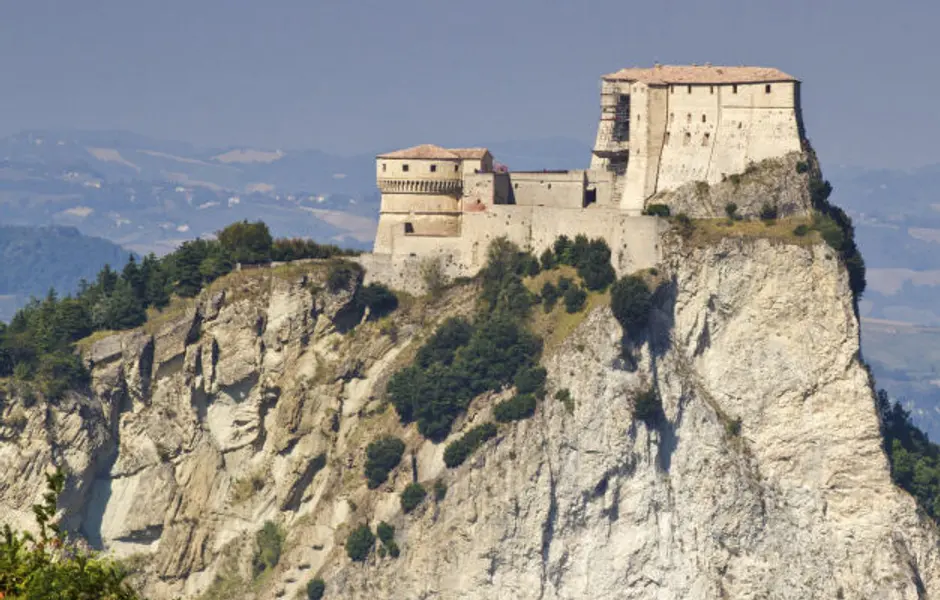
(661, 129)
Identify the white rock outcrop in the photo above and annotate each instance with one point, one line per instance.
(764, 478)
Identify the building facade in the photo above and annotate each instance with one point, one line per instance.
(660, 128)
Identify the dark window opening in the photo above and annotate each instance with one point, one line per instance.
(711, 89)
(666, 141)
(383, 167)
(703, 118)
(688, 139)
(433, 168)
(705, 139)
(688, 117)
(767, 89)
(734, 89)
(690, 89)
(409, 228)
(590, 197)
(404, 168)
(456, 167)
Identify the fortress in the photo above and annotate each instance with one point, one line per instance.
(661, 128)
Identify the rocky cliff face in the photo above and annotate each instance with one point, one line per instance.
(765, 478)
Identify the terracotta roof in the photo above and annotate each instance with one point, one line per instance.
(470, 152)
(422, 151)
(430, 151)
(688, 74)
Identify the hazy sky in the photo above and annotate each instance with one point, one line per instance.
(358, 76)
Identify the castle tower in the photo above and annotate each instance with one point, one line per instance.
(666, 126)
(421, 191)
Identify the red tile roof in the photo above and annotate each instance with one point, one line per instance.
(691, 74)
(430, 151)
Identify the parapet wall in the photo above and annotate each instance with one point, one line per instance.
(634, 241)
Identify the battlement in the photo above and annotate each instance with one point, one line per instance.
(660, 129)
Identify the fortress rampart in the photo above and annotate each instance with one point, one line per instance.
(661, 129)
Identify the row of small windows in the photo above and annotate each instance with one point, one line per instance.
(687, 139)
(405, 168)
(711, 89)
(688, 118)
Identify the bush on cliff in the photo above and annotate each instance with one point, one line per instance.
(517, 408)
(359, 543)
(657, 210)
(631, 302)
(412, 497)
(268, 543)
(460, 449)
(315, 589)
(378, 299)
(575, 298)
(549, 296)
(836, 228)
(382, 455)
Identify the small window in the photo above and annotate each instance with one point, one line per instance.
(705, 139)
(666, 141)
(703, 118)
(688, 117)
(767, 89)
(404, 168)
(434, 168)
(456, 167)
(711, 89)
(383, 167)
(638, 118)
(688, 139)
(734, 89)
(672, 117)
(409, 228)
(672, 89)
(690, 89)
(549, 186)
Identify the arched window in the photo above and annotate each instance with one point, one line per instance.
(687, 139)
(705, 139)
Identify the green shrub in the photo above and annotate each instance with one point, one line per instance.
(460, 449)
(412, 496)
(768, 212)
(549, 296)
(733, 427)
(631, 302)
(657, 210)
(382, 455)
(564, 283)
(378, 299)
(575, 298)
(432, 274)
(647, 406)
(341, 274)
(315, 589)
(440, 490)
(359, 543)
(548, 260)
(800, 230)
(531, 380)
(246, 242)
(453, 334)
(731, 209)
(385, 532)
(802, 167)
(268, 543)
(520, 406)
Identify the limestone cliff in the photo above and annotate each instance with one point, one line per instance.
(766, 477)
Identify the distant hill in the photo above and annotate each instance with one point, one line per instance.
(35, 259)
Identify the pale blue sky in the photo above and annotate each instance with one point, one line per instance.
(360, 75)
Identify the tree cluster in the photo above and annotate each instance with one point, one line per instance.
(37, 344)
(382, 455)
(590, 257)
(915, 460)
(835, 227)
(460, 449)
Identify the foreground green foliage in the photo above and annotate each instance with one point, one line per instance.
(382, 455)
(37, 345)
(412, 497)
(590, 257)
(52, 567)
(359, 543)
(915, 460)
(460, 449)
(386, 535)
